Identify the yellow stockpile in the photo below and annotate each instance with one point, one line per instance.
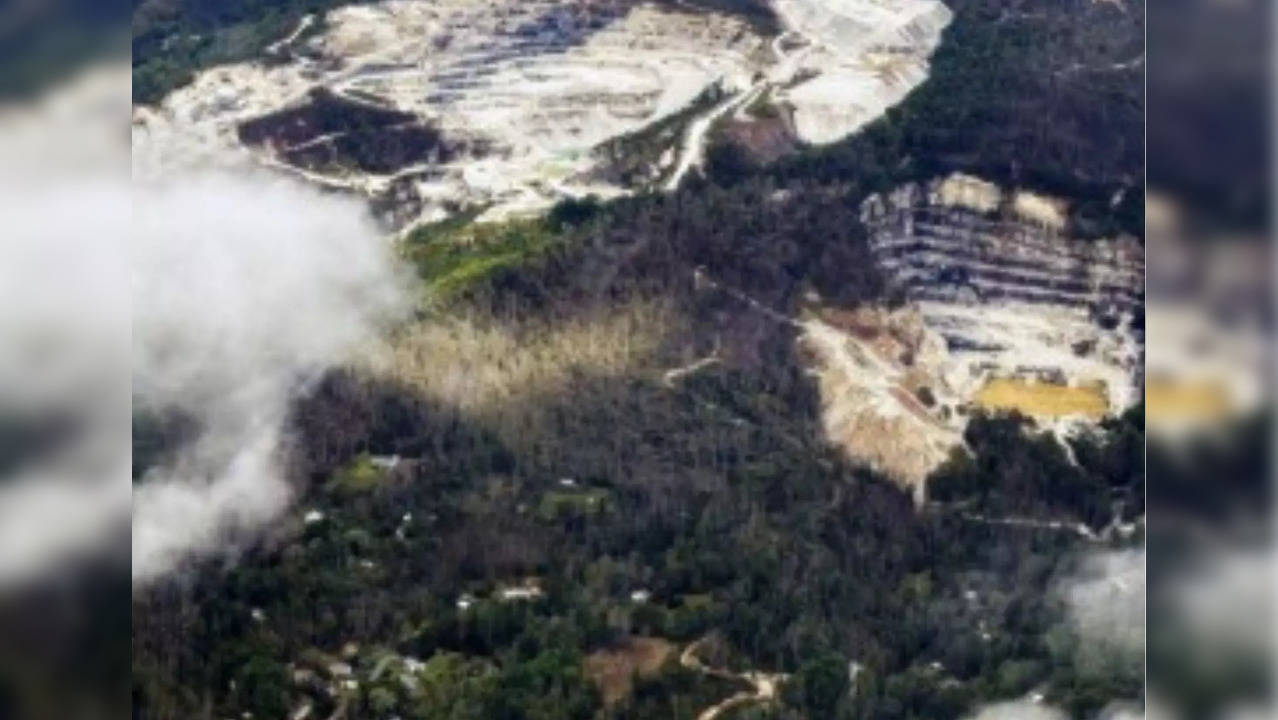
(1040, 399)
(1171, 400)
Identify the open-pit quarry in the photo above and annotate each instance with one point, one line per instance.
(432, 107)
(429, 106)
(1004, 311)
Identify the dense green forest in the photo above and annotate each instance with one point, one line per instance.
(1043, 95)
(174, 39)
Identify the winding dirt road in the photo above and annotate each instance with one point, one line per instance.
(765, 685)
(694, 142)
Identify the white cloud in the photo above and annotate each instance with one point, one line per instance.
(244, 288)
(64, 317)
(1105, 606)
(216, 295)
(1018, 710)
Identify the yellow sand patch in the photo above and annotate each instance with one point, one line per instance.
(970, 192)
(1048, 212)
(614, 668)
(1040, 399)
(1197, 400)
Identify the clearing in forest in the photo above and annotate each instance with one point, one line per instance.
(613, 669)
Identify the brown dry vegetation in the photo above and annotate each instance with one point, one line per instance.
(495, 371)
(613, 669)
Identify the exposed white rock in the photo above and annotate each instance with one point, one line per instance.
(1013, 296)
(1035, 208)
(973, 193)
(1002, 309)
(541, 83)
(867, 56)
(868, 390)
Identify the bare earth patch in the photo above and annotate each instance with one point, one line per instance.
(615, 668)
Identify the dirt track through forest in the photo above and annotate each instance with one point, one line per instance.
(765, 686)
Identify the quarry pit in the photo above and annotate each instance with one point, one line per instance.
(507, 104)
(1003, 311)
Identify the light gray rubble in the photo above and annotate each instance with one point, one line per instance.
(521, 93)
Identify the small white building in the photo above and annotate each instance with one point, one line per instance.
(520, 593)
(339, 670)
(530, 590)
(385, 462)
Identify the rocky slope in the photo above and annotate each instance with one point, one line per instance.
(1004, 310)
(869, 54)
(507, 104)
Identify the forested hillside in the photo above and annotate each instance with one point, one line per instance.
(601, 474)
(1047, 96)
(174, 39)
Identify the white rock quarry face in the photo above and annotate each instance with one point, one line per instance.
(869, 55)
(541, 83)
(549, 76)
(994, 295)
(1012, 295)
